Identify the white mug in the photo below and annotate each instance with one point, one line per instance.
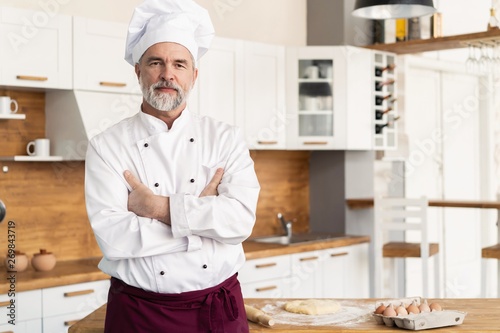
(312, 72)
(6, 104)
(41, 147)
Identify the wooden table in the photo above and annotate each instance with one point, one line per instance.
(483, 315)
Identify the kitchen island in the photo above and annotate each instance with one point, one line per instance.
(482, 316)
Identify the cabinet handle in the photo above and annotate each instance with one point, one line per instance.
(315, 142)
(31, 78)
(79, 293)
(267, 142)
(309, 258)
(265, 288)
(70, 322)
(266, 265)
(6, 303)
(339, 254)
(7, 332)
(112, 84)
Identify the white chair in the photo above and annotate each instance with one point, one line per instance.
(402, 215)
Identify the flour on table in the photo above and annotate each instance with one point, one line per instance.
(349, 314)
(312, 306)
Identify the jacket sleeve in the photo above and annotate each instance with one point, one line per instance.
(120, 233)
(230, 216)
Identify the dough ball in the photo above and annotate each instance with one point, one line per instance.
(312, 306)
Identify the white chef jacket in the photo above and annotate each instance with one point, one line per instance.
(202, 247)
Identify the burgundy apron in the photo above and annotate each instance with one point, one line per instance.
(219, 309)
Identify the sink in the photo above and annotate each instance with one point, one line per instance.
(298, 238)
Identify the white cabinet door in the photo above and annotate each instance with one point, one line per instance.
(264, 115)
(27, 306)
(61, 324)
(357, 271)
(220, 81)
(306, 274)
(28, 326)
(36, 49)
(99, 64)
(334, 264)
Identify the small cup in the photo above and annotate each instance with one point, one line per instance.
(312, 72)
(43, 261)
(8, 105)
(39, 147)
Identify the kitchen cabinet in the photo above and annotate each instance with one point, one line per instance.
(243, 83)
(264, 114)
(23, 36)
(99, 63)
(306, 274)
(333, 95)
(53, 310)
(220, 82)
(28, 312)
(266, 276)
(333, 272)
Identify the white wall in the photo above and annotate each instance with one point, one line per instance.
(276, 21)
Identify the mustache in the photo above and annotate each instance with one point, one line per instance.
(165, 84)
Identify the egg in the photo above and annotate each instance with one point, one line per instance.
(413, 308)
(401, 310)
(380, 309)
(389, 311)
(435, 307)
(424, 307)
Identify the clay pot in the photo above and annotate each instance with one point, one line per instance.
(43, 261)
(20, 262)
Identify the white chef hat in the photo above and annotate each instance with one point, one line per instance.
(178, 21)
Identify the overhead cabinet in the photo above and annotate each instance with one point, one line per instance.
(243, 83)
(36, 49)
(332, 98)
(99, 49)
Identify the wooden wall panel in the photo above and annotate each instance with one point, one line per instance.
(46, 200)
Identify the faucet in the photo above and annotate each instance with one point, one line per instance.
(287, 225)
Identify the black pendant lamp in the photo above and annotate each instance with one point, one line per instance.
(391, 9)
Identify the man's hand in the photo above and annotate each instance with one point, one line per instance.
(211, 188)
(143, 202)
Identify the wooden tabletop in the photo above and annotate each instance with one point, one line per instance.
(362, 203)
(482, 316)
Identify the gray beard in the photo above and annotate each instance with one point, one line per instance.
(161, 101)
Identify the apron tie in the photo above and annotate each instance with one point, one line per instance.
(217, 304)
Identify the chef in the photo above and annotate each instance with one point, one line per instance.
(171, 195)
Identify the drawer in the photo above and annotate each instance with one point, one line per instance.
(265, 269)
(28, 305)
(61, 324)
(29, 326)
(306, 263)
(274, 288)
(82, 297)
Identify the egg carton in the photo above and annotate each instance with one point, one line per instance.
(421, 321)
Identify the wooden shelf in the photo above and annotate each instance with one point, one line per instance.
(438, 44)
(364, 203)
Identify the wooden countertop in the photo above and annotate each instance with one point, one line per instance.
(85, 270)
(65, 272)
(362, 203)
(482, 317)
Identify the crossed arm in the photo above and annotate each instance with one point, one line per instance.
(143, 202)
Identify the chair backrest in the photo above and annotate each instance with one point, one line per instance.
(401, 215)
